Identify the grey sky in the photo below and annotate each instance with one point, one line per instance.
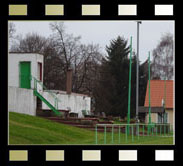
(101, 32)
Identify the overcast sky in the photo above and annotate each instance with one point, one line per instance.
(101, 32)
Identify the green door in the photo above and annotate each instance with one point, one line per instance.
(25, 73)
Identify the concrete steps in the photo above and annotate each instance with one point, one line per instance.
(87, 123)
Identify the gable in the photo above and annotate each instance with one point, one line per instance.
(157, 92)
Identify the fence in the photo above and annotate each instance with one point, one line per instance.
(130, 132)
(39, 87)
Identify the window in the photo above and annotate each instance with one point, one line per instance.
(39, 71)
(163, 118)
(159, 118)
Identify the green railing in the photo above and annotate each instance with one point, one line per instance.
(38, 87)
(123, 133)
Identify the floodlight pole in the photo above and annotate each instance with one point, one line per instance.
(137, 76)
(129, 87)
(164, 104)
(149, 126)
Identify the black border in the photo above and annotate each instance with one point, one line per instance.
(72, 11)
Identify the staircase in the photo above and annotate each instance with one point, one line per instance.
(38, 89)
(86, 123)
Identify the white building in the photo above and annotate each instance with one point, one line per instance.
(21, 66)
(73, 102)
(22, 69)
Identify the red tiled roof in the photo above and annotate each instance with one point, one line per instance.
(157, 93)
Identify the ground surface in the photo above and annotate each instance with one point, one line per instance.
(25, 129)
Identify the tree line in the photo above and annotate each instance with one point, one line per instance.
(103, 77)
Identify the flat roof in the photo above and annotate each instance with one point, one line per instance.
(25, 53)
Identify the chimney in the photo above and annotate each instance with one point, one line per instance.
(69, 81)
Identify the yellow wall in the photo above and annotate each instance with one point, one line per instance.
(170, 116)
(154, 117)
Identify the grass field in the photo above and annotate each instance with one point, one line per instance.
(25, 129)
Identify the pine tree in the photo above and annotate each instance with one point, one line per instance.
(111, 93)
(115, 78)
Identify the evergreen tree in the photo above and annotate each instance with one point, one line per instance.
(118, 65)
(111, 92)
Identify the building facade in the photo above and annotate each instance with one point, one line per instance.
(21, 66)
(161, 102)
(25, 74)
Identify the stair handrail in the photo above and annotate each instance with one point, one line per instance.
(36, 81)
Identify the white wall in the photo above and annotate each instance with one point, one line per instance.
(21, 100)
(14, 60)
(154, 118)
(75, 102)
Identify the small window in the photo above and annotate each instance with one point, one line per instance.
(159, 118)
(163, 118)
(39, 71)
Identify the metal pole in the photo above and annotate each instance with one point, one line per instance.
(126, 133)
(132, 133)
(112, 134)
(104, 134)
(129, 88)
(160, 128)
(164, 104)
(119, 134)
(96, 139)
(137, 75)
(149, 94)
(138, 131)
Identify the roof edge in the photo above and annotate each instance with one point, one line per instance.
(24, 53)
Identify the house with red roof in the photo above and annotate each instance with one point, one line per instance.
(161, 102)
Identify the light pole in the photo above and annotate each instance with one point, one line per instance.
(137, 76)
(149, 72)
(129, 88)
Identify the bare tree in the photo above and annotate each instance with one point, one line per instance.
(32, 42)
(11, 34)
(63, 51)
(162, 65)
(11, 29)
(86, 70)
(53, 65)
(75, 55)
(66, 45)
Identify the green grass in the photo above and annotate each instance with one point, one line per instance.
(25, 129)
